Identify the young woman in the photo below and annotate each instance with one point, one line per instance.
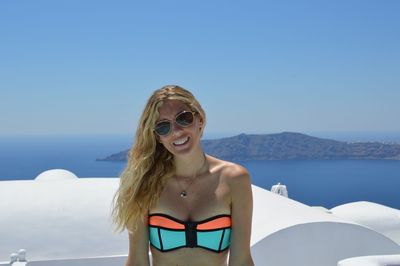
(190, 207)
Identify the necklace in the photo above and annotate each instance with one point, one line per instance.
(183, 193)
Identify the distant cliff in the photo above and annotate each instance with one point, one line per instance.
(288, 146)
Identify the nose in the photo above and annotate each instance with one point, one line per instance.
(176, 129)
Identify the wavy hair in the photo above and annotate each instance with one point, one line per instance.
(149, 164)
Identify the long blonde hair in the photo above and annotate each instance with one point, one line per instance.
(149, 163)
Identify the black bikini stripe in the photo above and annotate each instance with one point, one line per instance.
(165, 228)
(159, 238)
(216, 229)
(198, 230)
(222, 238)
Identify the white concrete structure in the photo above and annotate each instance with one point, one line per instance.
(280, 190)
(56, 175)
(380, 218)
(287, 232)
(59, 217)
(390, 260)
(63, 220)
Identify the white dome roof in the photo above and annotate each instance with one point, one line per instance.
(58, 219)
(380, 218)
(55, 174)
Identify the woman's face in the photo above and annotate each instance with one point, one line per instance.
(180, 140)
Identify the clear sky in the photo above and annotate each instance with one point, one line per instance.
(89, 66)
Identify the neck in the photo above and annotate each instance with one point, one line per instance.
(190, 165)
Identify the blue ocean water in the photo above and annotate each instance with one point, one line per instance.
(25, 157)
(316, 183)
(331, 183)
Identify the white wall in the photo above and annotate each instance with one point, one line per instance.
(56, 219)
(320, 244)
(389, 260)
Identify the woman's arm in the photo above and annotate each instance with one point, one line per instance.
(242, 211)
(139, 246)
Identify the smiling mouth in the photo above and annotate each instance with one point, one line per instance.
(181, 141)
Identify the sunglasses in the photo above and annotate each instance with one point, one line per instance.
(183, 119)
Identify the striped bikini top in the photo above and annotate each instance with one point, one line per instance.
(168, 233)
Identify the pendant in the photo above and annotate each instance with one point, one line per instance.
(183, 194)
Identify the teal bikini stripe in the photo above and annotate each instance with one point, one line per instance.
(227, 239)
(172, 239)
(154, 239)
(209, 239)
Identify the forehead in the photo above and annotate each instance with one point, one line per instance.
(170, 108)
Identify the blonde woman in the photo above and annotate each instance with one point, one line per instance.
(190, 208)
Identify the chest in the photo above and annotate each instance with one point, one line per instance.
(207, 195)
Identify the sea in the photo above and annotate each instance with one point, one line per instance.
(326, 183)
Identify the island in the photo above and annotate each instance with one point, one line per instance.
(288, 146)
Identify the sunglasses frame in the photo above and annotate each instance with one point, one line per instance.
(174, 121)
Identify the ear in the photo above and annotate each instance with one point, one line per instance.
(201, 125)
(200, 120)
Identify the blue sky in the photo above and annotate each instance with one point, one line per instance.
(84, 67)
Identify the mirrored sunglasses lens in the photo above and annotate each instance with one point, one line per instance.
(163, 128)
(185, 119)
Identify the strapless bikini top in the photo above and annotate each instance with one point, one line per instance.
(168, 233)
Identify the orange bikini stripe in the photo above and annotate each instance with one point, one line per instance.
(165, 222)
(215, 224)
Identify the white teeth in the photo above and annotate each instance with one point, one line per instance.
(181, 141)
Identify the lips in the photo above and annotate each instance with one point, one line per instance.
(181, 141)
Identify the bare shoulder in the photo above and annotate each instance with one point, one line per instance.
(233, 173)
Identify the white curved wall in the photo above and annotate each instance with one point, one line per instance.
(287, 232)
(59, 219)
(388, 260)
(55, 175)
(272, 212)
(380, 218)
(320, 243)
